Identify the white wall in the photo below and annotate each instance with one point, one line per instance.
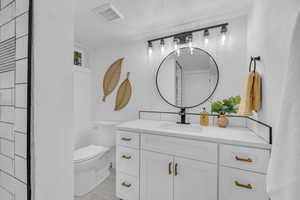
(270, 27)
(53, 100)
(82, 106)
(231, 59)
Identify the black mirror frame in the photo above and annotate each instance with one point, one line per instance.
(205, 100)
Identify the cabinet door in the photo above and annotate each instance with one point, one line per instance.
(156, 176)
(194, 180)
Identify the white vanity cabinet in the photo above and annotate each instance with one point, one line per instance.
(156, 165)
(167, 177)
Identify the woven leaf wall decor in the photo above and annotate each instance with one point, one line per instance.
(124, 94)
(112, 77)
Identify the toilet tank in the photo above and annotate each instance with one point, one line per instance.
(104, 133)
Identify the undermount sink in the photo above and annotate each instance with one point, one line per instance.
(182, 127)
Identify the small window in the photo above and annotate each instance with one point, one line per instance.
(77, 58)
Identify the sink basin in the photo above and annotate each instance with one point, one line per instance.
(182, 127)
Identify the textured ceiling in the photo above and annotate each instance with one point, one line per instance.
(146, 18)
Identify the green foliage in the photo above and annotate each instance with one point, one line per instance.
(226, 105)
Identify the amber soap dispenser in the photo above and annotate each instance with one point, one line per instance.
(204, 120)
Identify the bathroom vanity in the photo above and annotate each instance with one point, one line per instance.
(159, 160)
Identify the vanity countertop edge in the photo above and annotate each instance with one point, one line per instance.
(240, 136)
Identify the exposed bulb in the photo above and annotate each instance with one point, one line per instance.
(178, 52)
(162, 49)
(191, 46)
(223, 38)
(206, 41)
(162, 46)
(150, 48)
(150, 51)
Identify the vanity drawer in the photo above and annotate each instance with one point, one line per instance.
(127, 187)
(128, 160)
(197, 150)
(128, 139)
(236, 184)
(244, 158)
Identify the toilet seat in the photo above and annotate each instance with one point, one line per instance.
(88, 153)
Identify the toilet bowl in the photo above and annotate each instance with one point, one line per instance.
(92, 163)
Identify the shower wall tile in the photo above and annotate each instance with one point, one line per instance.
(6, 97)
(7, 114)
(13, 99)
(7, 148)
(7, 164)
(6, 131)
(21, 119)
(7, 80)
(22, 25)
(7, 14)
(21, 95)
(7, 182)
(5, 195)
(20, 144)
(20, 168)
(7, 31)
(4, 3)
(22, 44)
(20, 191)
(21, 71)
(22, 6)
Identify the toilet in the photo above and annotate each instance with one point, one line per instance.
(92, 163)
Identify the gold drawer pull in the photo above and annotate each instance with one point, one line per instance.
(128, 185)
(244, 159)
(126, 157)
(249, 186)
(126, 139)
(176, 171)
(170, 168)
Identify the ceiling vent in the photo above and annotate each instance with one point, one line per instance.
(108, 12)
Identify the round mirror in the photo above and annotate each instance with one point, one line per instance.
(187, 79)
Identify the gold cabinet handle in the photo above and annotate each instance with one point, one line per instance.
(170, 168)
(243, 159)
(126, 157)
(249, 186)
(128, 185)
(126, 139)
(175, 168)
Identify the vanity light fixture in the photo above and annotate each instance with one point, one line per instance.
(150, 46)
(184, 37)
(206, 35)
(223, 34)
(162, 45)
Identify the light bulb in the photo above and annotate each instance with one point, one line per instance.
(206, 34)
(162, 46)
(223, 34)
(178, 52)
(223, 39)
(191, 45)
(150, 48)
(150, 51)
(206, 41)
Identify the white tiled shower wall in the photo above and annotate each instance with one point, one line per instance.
(13, 96)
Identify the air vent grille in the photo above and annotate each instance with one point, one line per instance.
(108, 12)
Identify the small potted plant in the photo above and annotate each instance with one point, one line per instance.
(226, 106)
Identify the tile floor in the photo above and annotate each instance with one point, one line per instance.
(105, 191)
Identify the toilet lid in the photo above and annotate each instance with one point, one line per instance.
(89, 152)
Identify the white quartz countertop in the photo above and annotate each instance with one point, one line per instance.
(229, 135)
